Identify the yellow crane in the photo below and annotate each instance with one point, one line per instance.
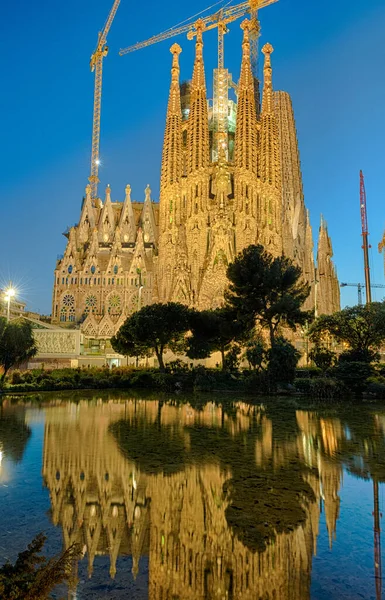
(96, 64)
(218, 20)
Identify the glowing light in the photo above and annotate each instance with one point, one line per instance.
(9, 293)
(97, 161)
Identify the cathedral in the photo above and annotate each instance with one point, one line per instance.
(230, 177)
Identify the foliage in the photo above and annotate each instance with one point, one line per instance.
(353, 374)
(255, 353)
(282, 361)
(17, 344)
(232, 359)
(267, 289)
(322, 357)
(361, 327)
(33, 577)
(153, 328)
(321, 388)
(213, 331)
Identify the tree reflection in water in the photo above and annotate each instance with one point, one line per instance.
(224, 498)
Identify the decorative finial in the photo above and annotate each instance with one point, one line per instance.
(88, 189)
(267, 49)
(128, 190)
(245, 25)
(175, 49)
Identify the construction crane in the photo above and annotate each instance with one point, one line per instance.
(360, 287)
(96, 64)
(222, 78)
(365, 234)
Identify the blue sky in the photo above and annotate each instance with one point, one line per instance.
(329, 56)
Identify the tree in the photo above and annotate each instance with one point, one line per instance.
(213, 331)
(255, 353)
(267, 290)
(361, 327)
(17, 344)
(155, 327)
(322, 357)
(282, 360)
(33, 577)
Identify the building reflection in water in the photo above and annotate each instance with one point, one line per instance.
(225, 502)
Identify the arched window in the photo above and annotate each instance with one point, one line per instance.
(70, 269)
(115, 269)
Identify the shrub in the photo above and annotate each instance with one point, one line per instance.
(353, 374)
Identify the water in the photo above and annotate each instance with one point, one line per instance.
(197, 498)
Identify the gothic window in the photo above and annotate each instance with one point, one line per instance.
(63, 314)
(93, 269)
(86, 280)
(71, 315)
(70, 269)
(116, 269)
(62, 281)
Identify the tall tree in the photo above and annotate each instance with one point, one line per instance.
(156, 327)
(266, 289)
(213, 331)
(361, 327)
(17, 344)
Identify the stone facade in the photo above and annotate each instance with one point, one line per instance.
(220, 191)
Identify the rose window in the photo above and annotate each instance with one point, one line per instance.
(114, 303)
(68, 300)
(91, 303)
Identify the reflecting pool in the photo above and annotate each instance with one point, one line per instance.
(201, 497)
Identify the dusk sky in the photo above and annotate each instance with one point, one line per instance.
(330, 56)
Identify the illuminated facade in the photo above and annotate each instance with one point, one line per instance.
(225, 184)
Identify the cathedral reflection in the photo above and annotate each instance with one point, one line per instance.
(224, 501)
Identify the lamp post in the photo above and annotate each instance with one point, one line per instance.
(9, 293)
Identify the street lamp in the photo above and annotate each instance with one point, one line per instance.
(9, 293)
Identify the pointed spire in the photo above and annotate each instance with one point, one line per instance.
(270, 169)
(198, 122)
(147, 219)
(267, 100)
(127, 219)
(246, 127)
(172, 145)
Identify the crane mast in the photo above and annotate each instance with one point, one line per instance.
(96, 64)
(365, 234)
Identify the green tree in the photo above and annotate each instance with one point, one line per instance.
(361, 327)
(322, 357)
(267, 290)
(255, 353)
(213, 331)
(17, 344)
(33, 577)
(156, 327)
(282, 360)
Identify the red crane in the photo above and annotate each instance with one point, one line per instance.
(365, 234)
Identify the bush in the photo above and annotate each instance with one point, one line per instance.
(376, 386)
(353, 374)
(282, 362)
(322, 388)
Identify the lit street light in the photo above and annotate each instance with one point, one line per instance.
(9, 293)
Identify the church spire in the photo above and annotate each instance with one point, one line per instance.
(246, 128)
(172, 145)
(198, 130)
(270, 163)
